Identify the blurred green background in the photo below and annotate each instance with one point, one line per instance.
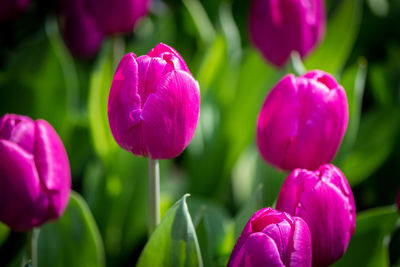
(105, 222)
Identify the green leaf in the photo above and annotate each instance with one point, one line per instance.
(375, 141)
(211, 222)
(353, 81)
(113, 191)
(211, 63)
(4, 232)
(248, 210)
(204, 27)
(341, 32)
(100, 83)
(256, 79)
(72, 240)
(174, 242)
(368, 246)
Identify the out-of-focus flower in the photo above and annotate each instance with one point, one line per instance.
(11, 8)
(118, 16)
(80, 31)
(35, 175)
(302, 121)
(323, 198)
(273, 238)
(154, 102)
(86, 22)
(278, 27)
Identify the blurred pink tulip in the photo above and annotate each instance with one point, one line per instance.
(278, 27)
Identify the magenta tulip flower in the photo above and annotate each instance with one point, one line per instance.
(323, 198)
(10, 9)
(118, 16)
(302, 121)
(154, 102)
(35, 175)
(273, 238)
(278, 27)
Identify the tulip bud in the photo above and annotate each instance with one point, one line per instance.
(323, 198)
(34, 173)
(118, 16)
(154, 103)
(302, 121)
(80, 31)
(11, 8)
(278, 27)
(273, 238)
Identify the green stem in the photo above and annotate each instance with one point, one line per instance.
(118, 50)
(31, 248)
(297, 64)
(154, 195)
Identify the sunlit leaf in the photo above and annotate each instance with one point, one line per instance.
(72, 240)
(100, 83)
(375, 141)
(174, 242)
(341, 32)
(368, 246)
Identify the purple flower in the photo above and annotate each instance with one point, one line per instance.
(154, 103)
(35, 175)
(80, 31)
(278, 27)
(9, 9)
(273, 238)
(323, 198)
(302, 121)
(86, 22)
(118, 16)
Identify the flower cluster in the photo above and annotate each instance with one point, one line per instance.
(300, 128)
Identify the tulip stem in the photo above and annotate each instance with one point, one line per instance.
(31, 248)
(154, 195)
(297, 63)
(118, 50)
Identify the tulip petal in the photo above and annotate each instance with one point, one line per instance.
(278, 122)
(301, 244)
(19, 130)
(281, 233)
(20, 194)
(169, 54)
(150, 72)
(124, 106)
(53, 167)
(322, 123)
(170, 115)
(261, 250)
